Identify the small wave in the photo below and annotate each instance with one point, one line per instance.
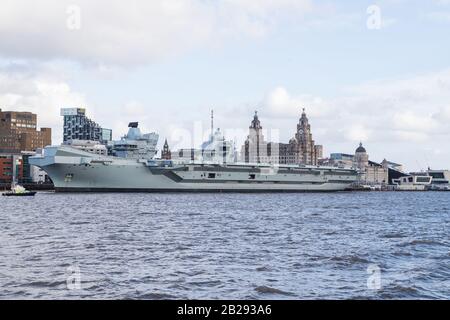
(181, 248)
(34, 258)
(421, 242)
(316, 258)
(212, 283)
(261, 269)
(79, 222)
(402, 254)
(154, 296)
(270, 290)
(44, 284)
(359, 297)
(194, 214)
(349, 259)
(399, 291)
(256, 232)
(393, 235)
(94, 286)
(189, 273)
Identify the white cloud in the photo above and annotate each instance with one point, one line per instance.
(388, 22)
(404, 120)
(439, 16)
(279, 102)
(132, 32)
(407, 120)
(401, 119)
(42, 94)
(132, 111)
(442, 14)
(442, 2)
(357, 133)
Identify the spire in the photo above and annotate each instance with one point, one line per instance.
(303, 113)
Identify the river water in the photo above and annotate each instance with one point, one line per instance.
(361, 245)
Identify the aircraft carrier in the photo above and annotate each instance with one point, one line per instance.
(74, 170)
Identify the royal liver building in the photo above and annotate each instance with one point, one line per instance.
(301, 149)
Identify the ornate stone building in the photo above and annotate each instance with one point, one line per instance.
(371, 173)
(361, 161)
(165, 153)
(254, 149)
(301, 149)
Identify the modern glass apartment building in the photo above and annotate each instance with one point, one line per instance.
(79, 127)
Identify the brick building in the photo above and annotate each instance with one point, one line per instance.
(18, 132)
(10, 165)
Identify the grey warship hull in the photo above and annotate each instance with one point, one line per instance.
(73, 170)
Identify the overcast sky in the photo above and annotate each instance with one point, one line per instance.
(370, 71)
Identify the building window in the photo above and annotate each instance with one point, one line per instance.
(211, 175)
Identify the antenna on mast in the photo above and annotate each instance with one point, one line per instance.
(426, 160)
(212, 122)
(419, 165)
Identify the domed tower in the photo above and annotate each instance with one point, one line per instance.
(303, 142)
(361, 158)
(254, 145)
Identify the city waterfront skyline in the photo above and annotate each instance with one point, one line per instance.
(225, 154)
(385, 84)
(301, 149)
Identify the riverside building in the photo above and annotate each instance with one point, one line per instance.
(370, 172)
(18, 132)
(79, 127)
(301, 149)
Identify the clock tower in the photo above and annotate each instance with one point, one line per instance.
(255, 148)
(302, 146)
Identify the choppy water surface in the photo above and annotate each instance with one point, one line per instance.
(226, 246)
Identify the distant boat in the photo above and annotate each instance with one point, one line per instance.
(18, 191)
(413, 182)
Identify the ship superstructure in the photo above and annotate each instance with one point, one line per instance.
(135, 145)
